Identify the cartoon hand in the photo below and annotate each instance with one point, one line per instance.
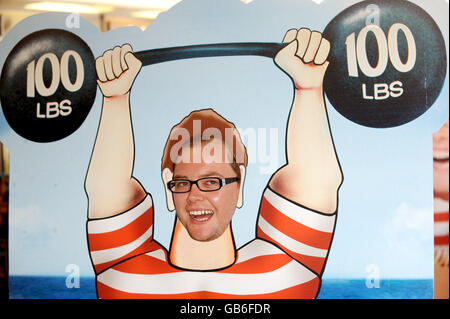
(116, 70)
(305, 58)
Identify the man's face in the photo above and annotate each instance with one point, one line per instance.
(206, 215)
(440, 161)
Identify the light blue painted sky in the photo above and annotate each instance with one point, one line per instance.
(385, 204)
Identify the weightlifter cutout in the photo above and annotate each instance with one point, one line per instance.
(204, 177)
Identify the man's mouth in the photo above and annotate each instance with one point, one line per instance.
(440, 157)
(200, 215)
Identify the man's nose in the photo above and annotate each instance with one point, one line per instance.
(195, 193)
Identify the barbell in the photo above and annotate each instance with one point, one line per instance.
(380, 75)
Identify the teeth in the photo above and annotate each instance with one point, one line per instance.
(440, 155)
(200, 212)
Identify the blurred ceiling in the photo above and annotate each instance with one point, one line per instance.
(122, 7)
(106, 14)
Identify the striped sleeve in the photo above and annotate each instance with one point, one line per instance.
(304, 234)
(114, 239)
(441, 232)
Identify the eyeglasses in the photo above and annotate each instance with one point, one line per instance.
(206, 184)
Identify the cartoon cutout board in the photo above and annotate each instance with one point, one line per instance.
(203, 238)
(205, 166)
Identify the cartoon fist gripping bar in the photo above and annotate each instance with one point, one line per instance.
(297, 212)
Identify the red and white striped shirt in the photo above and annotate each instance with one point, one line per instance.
(284, 261)
(441, 250)
(440, 221)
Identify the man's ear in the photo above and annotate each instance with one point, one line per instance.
(240, 201)
(167, 177)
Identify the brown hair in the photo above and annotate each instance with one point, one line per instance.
(209, 119)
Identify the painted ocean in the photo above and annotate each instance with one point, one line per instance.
(33, 287)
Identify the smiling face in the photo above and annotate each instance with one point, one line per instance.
(206, 215)
(440, 161)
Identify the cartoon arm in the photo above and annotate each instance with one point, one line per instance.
(297, 211)
(312, 175)
(120, 224)
(109, 184)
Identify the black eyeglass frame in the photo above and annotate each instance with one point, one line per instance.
(222, 183)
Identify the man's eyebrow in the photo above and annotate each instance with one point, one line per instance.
(207, 174)
(211, 174)
(180, 176)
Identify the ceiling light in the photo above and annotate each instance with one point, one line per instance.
(67, 7)
(149, 14)
(133, 4)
